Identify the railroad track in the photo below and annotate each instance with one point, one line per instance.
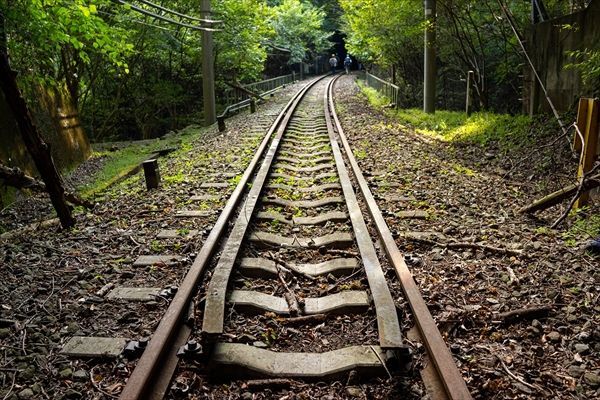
(289, 283)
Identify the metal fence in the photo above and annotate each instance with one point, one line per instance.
(387, 89)
(233, 95)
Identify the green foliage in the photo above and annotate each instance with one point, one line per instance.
(49, 36)
(585, 226)
(240, 46)
(382, 31)
(480, 128)
(374, 97)
(298, 27)
(471, 35)
(588, 63)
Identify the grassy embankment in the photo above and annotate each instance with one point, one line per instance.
(119, 163)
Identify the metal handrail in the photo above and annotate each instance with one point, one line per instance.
(244, 100)
(267, 86)
(387, 89)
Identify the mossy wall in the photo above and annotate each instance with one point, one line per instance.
(59, 126)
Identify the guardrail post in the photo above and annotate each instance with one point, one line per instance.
(221, 122)
(208, 69)
(429, 81)
(151, 173)
(469, 98)
(252, 105)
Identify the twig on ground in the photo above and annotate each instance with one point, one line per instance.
(288, 266)
(98, 387)
(304, 319)
(382, 362)
(23, 341)
(343, 252)
(524, 313)
(263, 383)
(293, 303)
(10, 390)
(518, 379)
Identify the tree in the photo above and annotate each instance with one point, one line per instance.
(240, 47)
(298, 27)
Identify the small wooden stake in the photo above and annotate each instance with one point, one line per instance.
(151, 173)
(221, 123)
(252, 106)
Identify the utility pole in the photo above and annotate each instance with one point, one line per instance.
(208, 69)
(429, 60)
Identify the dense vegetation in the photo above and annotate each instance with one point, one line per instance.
(131, 76)
(472, 35)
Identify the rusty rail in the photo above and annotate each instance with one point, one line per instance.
(448, 373)
(148, 380)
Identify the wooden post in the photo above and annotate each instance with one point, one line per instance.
(429, 81)
(589, 120)
(38, 149)
(252, 105)
(151, 173)
(221, 122)
(208, 69)
(469, 97)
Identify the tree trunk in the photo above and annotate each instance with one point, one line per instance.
(40, 153)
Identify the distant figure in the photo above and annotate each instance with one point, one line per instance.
(333, 62)
(347, 64)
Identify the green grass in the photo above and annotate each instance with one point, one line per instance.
(119, 163)
(374, 97)
(509, 131)
(584, 227)
(480, 128)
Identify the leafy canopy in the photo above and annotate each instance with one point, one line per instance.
(41, 29)
(298, 27)
(240, 50)
(381, 30)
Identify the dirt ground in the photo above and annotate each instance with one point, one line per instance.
(50, 280)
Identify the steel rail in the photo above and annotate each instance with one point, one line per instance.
(451, 378)
(214, 310)
(141, 383)
(388, 325)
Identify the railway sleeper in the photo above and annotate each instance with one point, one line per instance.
(238, 360)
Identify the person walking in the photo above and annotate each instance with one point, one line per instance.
(347, 63)
(333, 62)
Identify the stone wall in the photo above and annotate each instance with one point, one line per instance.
(547, 45)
